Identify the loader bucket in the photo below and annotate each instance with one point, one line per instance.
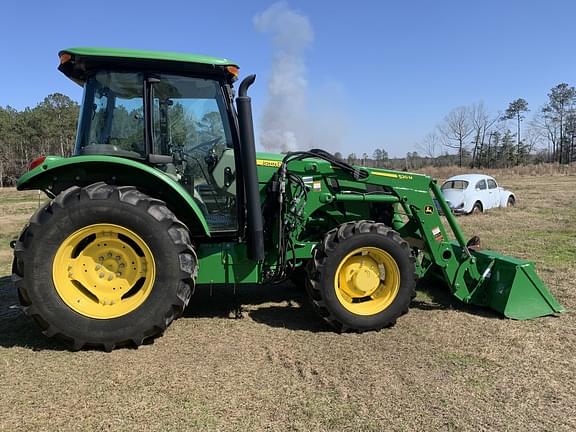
(512, 287)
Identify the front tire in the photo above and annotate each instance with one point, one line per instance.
(104, 266)
(362, 277)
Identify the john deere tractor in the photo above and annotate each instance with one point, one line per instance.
(166, 191)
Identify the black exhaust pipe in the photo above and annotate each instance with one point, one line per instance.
(255, 225)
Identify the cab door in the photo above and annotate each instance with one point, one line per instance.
(190, 122)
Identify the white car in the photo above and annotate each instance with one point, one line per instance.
(474, 193)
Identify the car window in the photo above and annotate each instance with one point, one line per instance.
(481, 185)
(455, 184)
(492, 184)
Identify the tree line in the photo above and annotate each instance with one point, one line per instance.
(47, 129)
(471, 136)
(486, 140)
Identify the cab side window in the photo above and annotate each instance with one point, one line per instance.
(492, 184)
(190, 123)
(481, 185)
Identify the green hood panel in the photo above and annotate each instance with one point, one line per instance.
(270, 156)
(57, 173)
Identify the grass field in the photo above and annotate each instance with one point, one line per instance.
(442, 367)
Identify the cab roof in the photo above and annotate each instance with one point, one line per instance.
(75, 62)
(147, 55)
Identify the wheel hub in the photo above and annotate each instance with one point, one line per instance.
(110, 273)
(367, 281)
(362, 276)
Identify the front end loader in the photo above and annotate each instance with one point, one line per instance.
(166, 191)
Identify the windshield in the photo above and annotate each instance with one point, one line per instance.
(455, 184)
(112, 118)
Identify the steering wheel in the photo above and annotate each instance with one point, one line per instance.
(209, 143)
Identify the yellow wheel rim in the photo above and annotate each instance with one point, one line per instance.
(367, 281)
(103, 271)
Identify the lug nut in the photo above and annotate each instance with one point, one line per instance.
(101, 275)
(110, 277)
(98, 266)
(117, 257)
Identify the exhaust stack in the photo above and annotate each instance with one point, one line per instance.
(255, 226)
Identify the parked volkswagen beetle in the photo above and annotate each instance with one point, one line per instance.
(474, 193)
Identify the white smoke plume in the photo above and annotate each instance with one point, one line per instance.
(287, 123)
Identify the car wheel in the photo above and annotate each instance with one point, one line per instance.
(477, 209)
(511, 201)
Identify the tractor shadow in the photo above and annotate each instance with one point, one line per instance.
(437, 296)
(16, 329)
(283, 306)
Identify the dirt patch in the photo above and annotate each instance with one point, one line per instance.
(442, 367)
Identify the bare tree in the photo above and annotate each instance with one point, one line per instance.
(430, 144)
(562, 100)
(455, 129)
(548, 131)
(571, 135)
(533, 139)
(481, 123)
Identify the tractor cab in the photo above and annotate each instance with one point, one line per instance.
(178, 119)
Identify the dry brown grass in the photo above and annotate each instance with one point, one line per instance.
(442, 367)
(521, 170)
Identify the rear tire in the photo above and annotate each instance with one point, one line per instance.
(511, 201)
(477, 209)
(362, 277)
(114, 238)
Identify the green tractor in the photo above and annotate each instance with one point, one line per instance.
(166, 191)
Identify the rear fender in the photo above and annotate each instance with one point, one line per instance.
(504, 198)
(56, 174)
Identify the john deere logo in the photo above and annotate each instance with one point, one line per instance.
(428, 209)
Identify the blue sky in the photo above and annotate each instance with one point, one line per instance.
(391, 70)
